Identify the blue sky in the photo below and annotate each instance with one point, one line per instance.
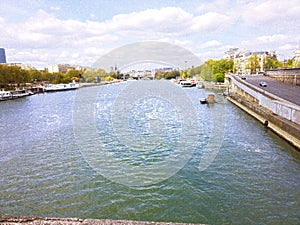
(41, 32)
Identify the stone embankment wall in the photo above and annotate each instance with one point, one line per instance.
(284, 128)
(288, 76)
(272, 102)
(281, 116)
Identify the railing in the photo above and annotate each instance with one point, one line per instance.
(272, 102)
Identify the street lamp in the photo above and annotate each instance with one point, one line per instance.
(185, 62)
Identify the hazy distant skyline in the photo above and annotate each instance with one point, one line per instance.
(80, 32)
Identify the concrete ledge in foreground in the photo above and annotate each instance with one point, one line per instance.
(9, 220)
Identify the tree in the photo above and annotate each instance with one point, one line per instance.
(195, 72)
(222, 66)
(90, 75)
(215, 70)
(296, 64)
(206, 72)
(35, 75)
(219, 77)
(253, 63)
(271, 63)
(184, 74)
(289, 63)
(72, 74)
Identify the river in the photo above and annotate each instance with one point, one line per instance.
(249, 175)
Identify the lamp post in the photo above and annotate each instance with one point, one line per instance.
(185, 62)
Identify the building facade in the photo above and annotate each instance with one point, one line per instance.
(63, 68)
(2, 55)
(241, 59)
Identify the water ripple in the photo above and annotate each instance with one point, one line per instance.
(254, 179)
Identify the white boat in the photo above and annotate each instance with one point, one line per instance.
(18, 93)
(61, 87)
(186, 83)
(5, 95)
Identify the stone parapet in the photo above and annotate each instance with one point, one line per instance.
(9, 220)
(288, 76)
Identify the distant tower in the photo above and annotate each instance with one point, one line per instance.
(2, 55)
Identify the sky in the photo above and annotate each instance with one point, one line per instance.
(79, 32)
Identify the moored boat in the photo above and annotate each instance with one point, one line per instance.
(187, 83)
(18, 93)
(61, 87)
(5, 95)
(203, 100)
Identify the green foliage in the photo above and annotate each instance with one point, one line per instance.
(222, 66)
(184, 74)
(115, 75)
(296, 64)
(109, 78)
(289, 63)
(13, 75)
(167, 75)
(219, 77)
(206, 72)
(19, 77)
(72, 75)
(195, 72)
(214, 70)
(253, 63)
(90, 75)
(271, 63)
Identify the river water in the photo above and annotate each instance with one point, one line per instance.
(252, 175)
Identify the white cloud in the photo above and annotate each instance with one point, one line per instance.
(210, 44)
(275, 40)
(271, 12)
(288, 47)
(210, 21)
(272, 38)
(172, 20)
(245, 24)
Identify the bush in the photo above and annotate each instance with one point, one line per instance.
(219, 77)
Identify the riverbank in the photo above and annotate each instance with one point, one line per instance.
(7, 220)
(81, 85)
(286, 129)
(24, 92)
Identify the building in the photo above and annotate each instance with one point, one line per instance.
(230, 54)
(52, 68)
(241, 59)
(2, 55)
(63, 68)
(21, 65)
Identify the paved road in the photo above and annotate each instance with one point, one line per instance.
(287, 92)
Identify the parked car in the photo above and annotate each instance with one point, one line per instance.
(263, 84)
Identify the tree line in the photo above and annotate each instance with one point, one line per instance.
(215, 70)
(11, 76)
(210, 70)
